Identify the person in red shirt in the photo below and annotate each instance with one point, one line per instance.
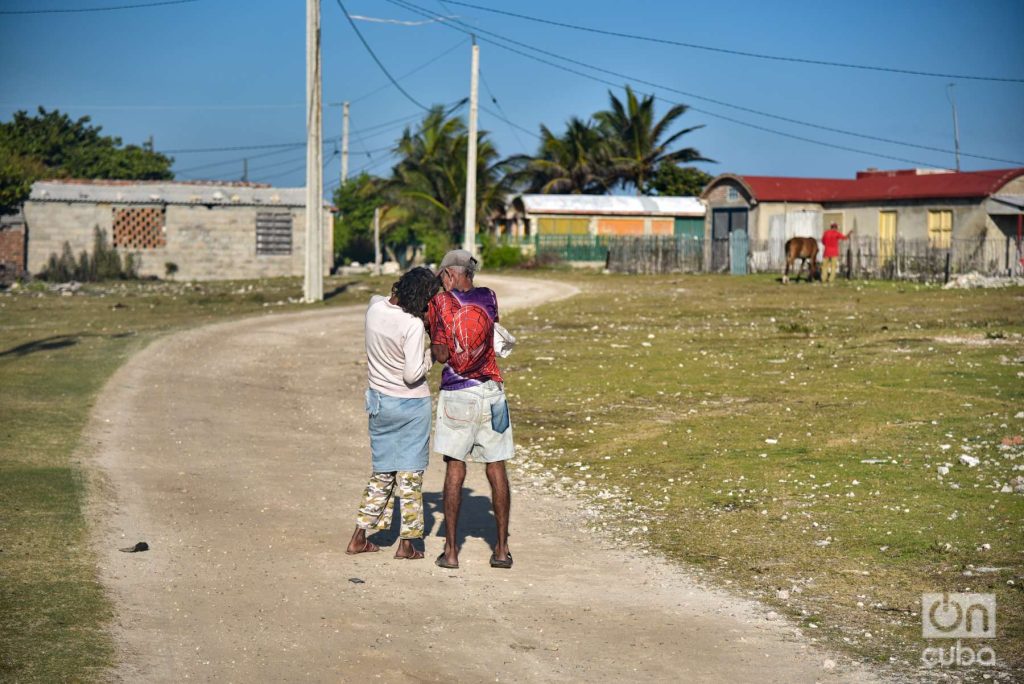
(472, 424)
(830, 263)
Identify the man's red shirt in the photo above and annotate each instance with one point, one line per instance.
(831, 240)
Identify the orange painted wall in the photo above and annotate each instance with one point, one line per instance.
(609, 226)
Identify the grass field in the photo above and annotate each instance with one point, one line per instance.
(784, 441)
(787, 441)
(56, 352)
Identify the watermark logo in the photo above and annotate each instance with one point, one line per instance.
(958, 616)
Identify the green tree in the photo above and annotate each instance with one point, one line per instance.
(681, 181)
(52, 145)
(639, 141)
(429, 183)
(353, 227)
(576, 162)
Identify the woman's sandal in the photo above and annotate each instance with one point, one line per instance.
(368, 547)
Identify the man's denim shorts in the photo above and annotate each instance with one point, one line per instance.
(473, 424)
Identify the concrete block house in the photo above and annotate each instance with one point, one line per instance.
(208, 230)
(976, 216)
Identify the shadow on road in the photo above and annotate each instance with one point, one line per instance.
(476, 519)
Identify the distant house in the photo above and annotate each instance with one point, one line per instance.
(209, 230)
(977, 211)
(606, 215)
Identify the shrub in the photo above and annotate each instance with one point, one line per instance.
(103, 264)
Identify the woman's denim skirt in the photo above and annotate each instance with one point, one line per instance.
(399, 431)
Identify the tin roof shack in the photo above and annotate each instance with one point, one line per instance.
(920, 209)
(609, 215)
(208, 230)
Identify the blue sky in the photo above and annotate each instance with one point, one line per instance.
(224, 73)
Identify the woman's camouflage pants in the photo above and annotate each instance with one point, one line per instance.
(379, 502)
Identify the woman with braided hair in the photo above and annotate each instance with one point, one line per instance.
(398, 409)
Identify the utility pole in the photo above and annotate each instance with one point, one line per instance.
(376, 240)
(469, 237)
(313, 285)
(245, 170)
(344, 143)
(956, 126)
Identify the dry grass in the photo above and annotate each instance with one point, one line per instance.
(786, 441)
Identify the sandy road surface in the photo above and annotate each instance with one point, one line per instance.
(238, 451)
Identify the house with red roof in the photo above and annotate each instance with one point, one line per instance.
(974, 215)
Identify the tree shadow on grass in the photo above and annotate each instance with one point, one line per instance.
(340, 289)
(55, 342)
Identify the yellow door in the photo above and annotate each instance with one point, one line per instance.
(886, 235)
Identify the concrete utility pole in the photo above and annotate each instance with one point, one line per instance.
(245, 170)
(956, 125)
(313, 285)
(469, 237)
(376, 240)
(344, 143)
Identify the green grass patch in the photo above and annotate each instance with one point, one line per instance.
(787, 441)
(56, 352)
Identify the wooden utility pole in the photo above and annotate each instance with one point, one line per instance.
(469, 237)
(376, 240)
(344, 143)
(313, 285)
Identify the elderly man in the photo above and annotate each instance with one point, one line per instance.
(472, 423)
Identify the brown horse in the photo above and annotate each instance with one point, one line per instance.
(806, 249)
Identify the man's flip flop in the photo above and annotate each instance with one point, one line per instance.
(442, 563)
(503, 564)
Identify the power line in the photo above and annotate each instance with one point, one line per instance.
(504, 116)
(233, 161)
(377, 59)
(407, 74)
(741, 53)
(471, 30)
(78, 10)
(234, 148)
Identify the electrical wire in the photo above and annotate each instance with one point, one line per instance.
(503, 116)
(376, 59)
(407, 74)
(79, 10)
(740, 53)
(232, 161)
(500, 41)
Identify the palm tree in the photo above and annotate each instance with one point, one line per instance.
(637, 140)
(429, 182)
(574, 163)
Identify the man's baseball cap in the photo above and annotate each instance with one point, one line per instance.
(457, 257)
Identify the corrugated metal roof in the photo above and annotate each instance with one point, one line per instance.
(622, 205)
(167, 192)
(874, 186)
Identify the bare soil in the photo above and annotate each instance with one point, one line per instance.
(239, 451)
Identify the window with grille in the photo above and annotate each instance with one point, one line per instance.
(940, 228)
(273, 233)
(140, 227)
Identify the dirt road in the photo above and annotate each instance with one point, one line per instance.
(239, 451)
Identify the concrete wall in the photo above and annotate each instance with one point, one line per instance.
(969, 217)
(206, 243)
